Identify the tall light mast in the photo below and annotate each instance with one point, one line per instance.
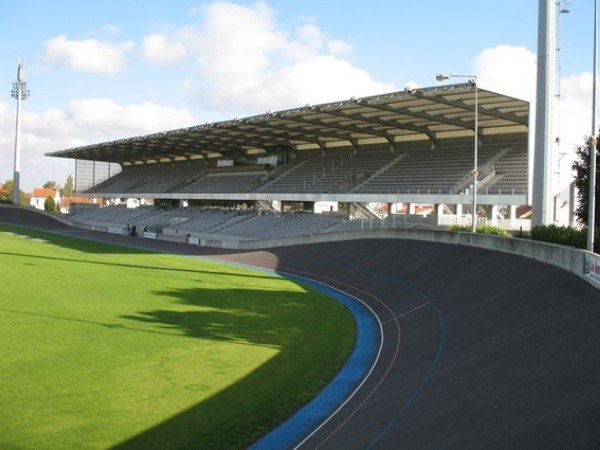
(592, 190)
(541, 204)
(20, 92)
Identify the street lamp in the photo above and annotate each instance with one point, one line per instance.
(592, 177)
(19, 92)
(473, 83)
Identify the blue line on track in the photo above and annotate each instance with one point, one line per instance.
(425, 378)
(436, 358)
(392, 422)
(358, 364)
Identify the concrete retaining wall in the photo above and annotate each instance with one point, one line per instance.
(580, 262)
(574, 260)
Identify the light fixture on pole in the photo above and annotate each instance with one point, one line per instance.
(563, 6)
(475, 172)
(19, 92)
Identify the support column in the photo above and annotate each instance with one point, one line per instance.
(494, 215)
(439, 212)
(542, 163)
(513, 216)
(459, 214)
(572, 201)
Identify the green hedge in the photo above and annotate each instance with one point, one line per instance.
(482, 229)
(564, 236)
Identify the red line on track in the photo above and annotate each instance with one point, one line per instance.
(390, 365)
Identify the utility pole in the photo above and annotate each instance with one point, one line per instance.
(542, 164)
(19, 92)
(593, 143)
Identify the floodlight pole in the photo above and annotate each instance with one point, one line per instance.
(593, 143)
(475, 172)
(19, 92)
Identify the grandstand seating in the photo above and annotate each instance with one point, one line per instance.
(334, 172)
(255, 226)
(409, 168)
(119, 216)
(404, 168)
(128, 179)
(223, 181)
(172, 177)
(242, 224)
(511, 173)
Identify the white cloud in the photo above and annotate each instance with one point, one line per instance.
(104, 117)
(412, 85)
(495, 69)
(338, 47)
(577, 89)
(247, 63)
(236, 44)
(311, 36)
(160, 50)
(513, 71)
(576, 108)
(320, 79)
(110, 30)
(88, 55)
(83, 122)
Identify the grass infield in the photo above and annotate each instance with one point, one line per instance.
(106, 346)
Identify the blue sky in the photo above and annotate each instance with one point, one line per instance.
(105, 70)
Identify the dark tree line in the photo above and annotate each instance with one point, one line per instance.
(581, 166)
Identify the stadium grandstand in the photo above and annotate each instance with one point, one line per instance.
(402, 159)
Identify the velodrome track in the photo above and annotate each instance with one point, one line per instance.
(481, 349)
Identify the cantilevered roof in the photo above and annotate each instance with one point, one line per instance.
(432, 114)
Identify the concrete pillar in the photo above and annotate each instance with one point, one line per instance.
(439, 213)
(459, 214)
(572, 201)
(494, 215)
(542, 163)
(513, 216)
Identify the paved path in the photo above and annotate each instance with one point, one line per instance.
(481, 349)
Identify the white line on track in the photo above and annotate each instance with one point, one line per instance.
(316, 278)
(364, 380)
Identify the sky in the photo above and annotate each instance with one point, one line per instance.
(99, 71)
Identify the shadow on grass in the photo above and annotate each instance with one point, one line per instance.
(306, 333)
(235, 315)
(292, 322)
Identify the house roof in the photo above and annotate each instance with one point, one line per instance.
(43, 193)
(67, 201)
(411, 115)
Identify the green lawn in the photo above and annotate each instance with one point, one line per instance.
(106, 346)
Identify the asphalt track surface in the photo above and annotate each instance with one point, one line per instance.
(480, 349)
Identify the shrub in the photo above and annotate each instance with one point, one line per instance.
(564, 236)
(50, 205)
(482, 229)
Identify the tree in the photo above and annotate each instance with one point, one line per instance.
(6, 194)
(581, 166)
(50, 185)
(50, 205)
(68, 189)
